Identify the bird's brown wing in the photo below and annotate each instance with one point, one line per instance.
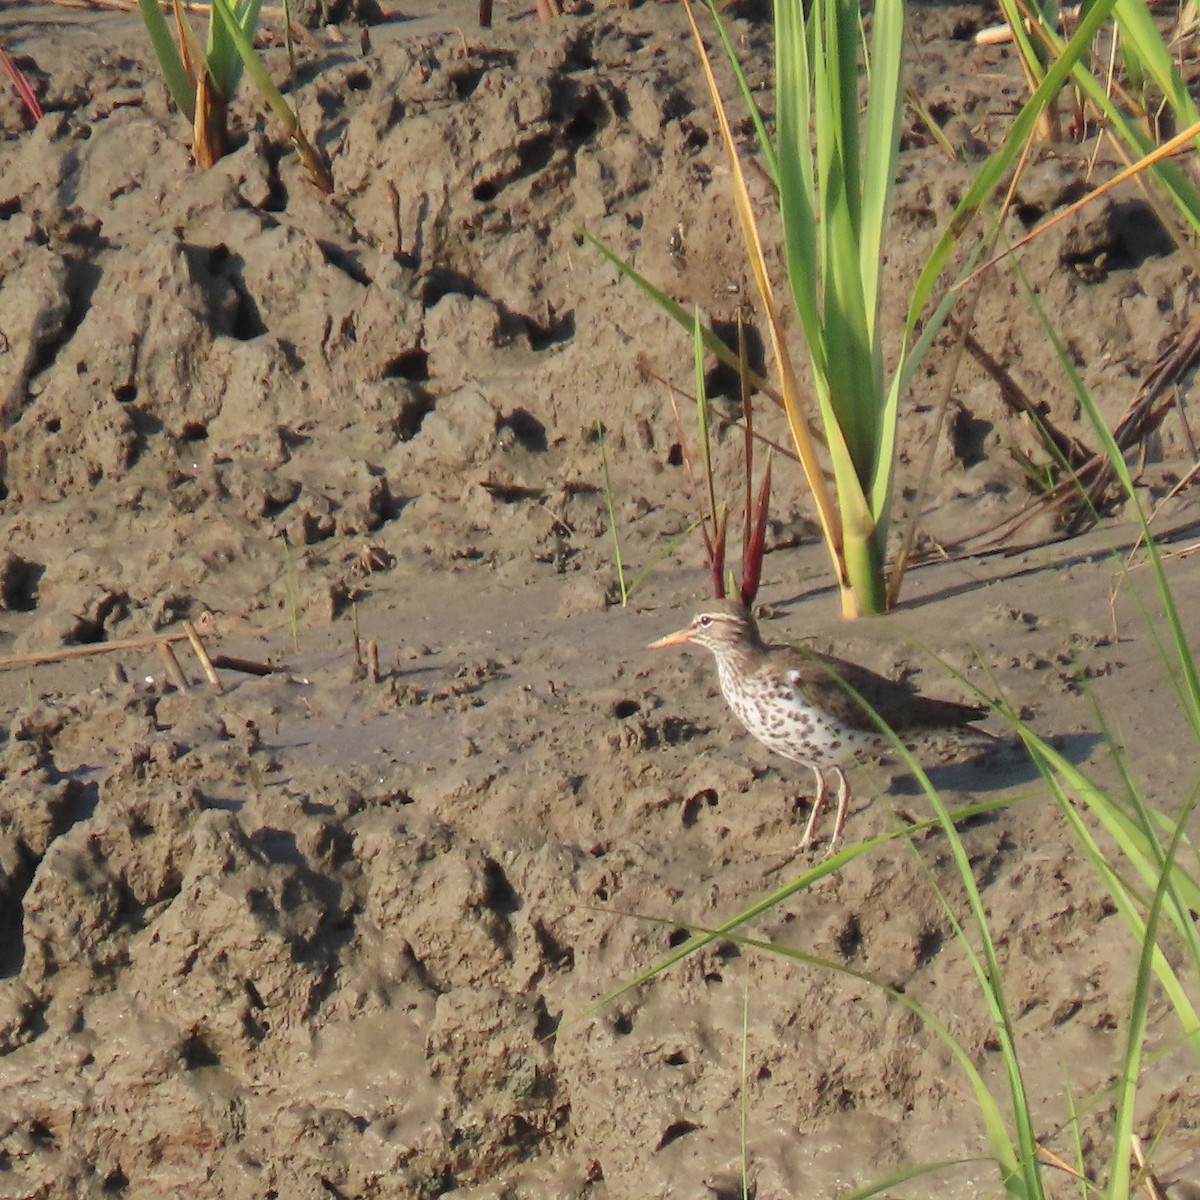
(824, 679)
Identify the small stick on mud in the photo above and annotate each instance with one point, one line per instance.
(65, 652)
(202, 655)
(171, 663)
(394, 197)
(485, 14)
(355, 641)
(373, 660)
(247, 666)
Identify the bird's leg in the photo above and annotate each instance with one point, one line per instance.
(818, 804)
(843, 803)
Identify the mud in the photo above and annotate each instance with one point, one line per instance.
(322, 935)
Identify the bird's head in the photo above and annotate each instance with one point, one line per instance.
(721, 628)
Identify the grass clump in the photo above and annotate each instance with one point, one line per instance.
(203, 80)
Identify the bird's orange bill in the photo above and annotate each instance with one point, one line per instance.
(672, 639)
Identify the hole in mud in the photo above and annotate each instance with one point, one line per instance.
(225, 268)
(358, 81)
(553, 333)
(115, 1181)
(674, 1132)
(10, 208)
(41, 1134)
(694, 137)
(1065, 1010)
(1073, 190)
(465, 82)
(500, 897)
(850, 939)
(678, 937)
(53, 425)
(535, 154)
(626, 708)
(552, 950)
(1029, 214)
(125, 393)
(345, 261)
(547, 1025)
(254, 1029)
(443, 282)
(532, 156)
(86, 633)
(1137, 234)
(579, 55)
(928, 945)
(139, 827)
(194, 431)
(679, 729)
(694, 805)
(623, 1025)
(412, 365)
(968, 436)
(675, 455)
(19, 580)
(678, 1059)
(723, 380)
(196, 1053)
(529, 431)
(589, 119)
(247, 323)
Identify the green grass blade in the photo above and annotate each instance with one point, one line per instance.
(663, 553)
(1118, 1176)
(993, 1120)
(1026, 1181)
(241, 40)
(993, 171)
(885, 108)
(1142, 40)
(681, 316)
(167, 53)
(766, 146)
(225, 58)
(797, 173)
(802, 882)
(1189, 678)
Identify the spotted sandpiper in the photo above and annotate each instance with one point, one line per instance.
(797, 703)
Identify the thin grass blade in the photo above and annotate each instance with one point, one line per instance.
(765, 145)
(681, 316)
(165, 50)
(992, 173)
(827, 512)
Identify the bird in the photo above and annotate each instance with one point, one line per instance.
(801, 704)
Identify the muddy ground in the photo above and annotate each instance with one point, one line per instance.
(318, 935)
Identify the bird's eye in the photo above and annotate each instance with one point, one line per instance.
(704, 622)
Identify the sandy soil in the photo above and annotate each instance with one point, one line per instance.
(322, 936)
